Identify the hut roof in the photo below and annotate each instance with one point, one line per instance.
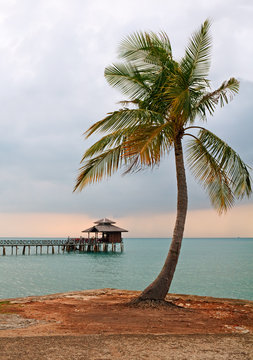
(105, 225)
(104, 221)
(105, 228)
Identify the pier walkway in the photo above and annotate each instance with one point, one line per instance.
(11, 247)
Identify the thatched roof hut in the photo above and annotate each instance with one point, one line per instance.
(110, 233)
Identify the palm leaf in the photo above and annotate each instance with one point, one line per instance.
(196, 62)
(129, 79)
(219, 168)
(146, 48)
(99, 167)
(106, 142)
(147, 145)
(222, 96)
(125, 118)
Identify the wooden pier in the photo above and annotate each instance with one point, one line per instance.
(38, 247)
(106, 238)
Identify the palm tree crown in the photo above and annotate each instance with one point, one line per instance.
(165, 98)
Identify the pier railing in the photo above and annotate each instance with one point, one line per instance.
(26, 242)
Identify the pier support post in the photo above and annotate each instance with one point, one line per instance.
(29, 250)
(41, 250)
(58, 249)
(4, 253)
(23, 253)
(12, 250)
(53, 250)
(16, 250)
(121, 247)
(36, 249)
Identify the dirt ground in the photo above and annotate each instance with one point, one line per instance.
(99, 324)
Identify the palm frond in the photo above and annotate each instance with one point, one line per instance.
(222, 96)
(219, 168)
(136, 148)
(148, 48)
(196, 62)
(106, 142)
(125, 118)
(99, 167)
(128, 79)
(147, 145)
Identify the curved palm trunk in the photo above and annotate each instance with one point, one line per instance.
(159, 288)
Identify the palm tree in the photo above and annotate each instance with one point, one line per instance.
(166, 97)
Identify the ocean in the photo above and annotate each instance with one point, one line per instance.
(219, 267)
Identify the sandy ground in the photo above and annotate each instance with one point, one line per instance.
(99, 324)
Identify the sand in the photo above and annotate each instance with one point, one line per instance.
(99, 324)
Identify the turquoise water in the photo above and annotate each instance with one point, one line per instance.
(213, 267)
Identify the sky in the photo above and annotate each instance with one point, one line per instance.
(52, 88)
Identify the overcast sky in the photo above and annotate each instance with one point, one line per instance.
(52, 59)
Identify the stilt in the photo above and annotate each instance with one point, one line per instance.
(12, 250)
(58, 249)
(16, 250)
(53, 250)
(41, 250)
(36, 251)
(23, 253)
(4, 253)
(29, 250)
(47, 249)
(121, 247)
